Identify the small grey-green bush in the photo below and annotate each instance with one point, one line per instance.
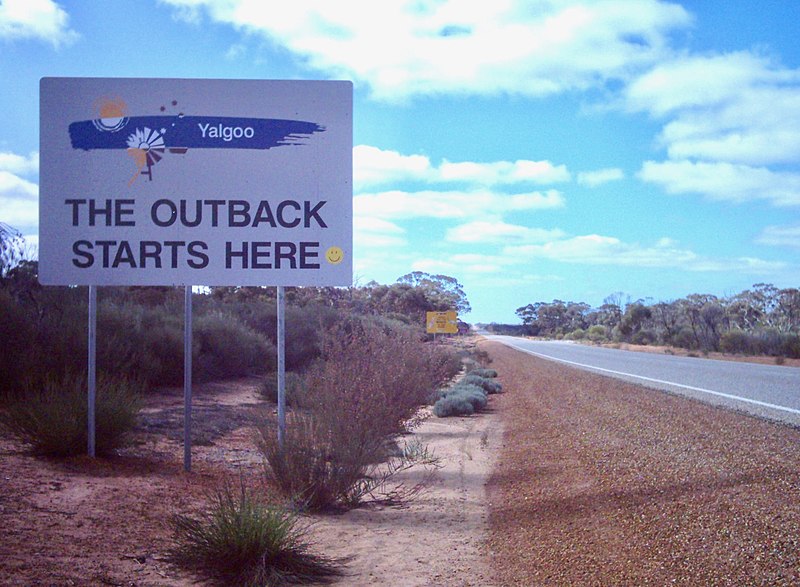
(487, 385)
(487, 373)
(474, 395)
(453, 405)
(453, 399)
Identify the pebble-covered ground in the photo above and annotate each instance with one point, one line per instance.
(601, 482)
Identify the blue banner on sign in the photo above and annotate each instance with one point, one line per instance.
(189, 132)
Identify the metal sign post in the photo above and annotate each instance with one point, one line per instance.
(187, 380)
(281, 368)
(92, 370)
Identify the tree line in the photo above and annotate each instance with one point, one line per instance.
(762, 320)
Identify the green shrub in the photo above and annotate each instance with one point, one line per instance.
(487, 373)
(53, 418)
(322, 460)
(738, 342)
(482, 357)
(228, 348)
(596, 333)
(18, 339)
(240, 540)
(488, 385)
(684, 338)
(61, 327)
(141, 340)
(269, 387)
(644, 337)
(791, 346)
(453, 405)
(577, 334)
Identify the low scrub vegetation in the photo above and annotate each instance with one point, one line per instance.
(460, 400)
(483, 372)
(467, 395)
(53, 416)
(241, 540)
(485, 383)
(140, 329)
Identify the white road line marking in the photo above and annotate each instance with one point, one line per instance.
(709, 391)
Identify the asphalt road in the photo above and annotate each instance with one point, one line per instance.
(769, 391)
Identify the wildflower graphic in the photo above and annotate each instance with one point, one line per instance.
(148, 138)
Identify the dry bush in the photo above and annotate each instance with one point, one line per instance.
(371, 381)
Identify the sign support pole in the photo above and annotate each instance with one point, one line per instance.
(281, 368)
(187, 380)
(92, 370)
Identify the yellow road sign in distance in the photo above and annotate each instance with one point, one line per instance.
(441, 322)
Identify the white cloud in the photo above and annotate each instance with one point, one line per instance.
(35, 19)
(373, 166)
(19, 213)
(462, 263)
(599, 177)
(19, 164)
(434, 266)
(375, 232)
(724, 181)
(451, 204)
(782, 236)
(503, 172)
(733, 128)
(19, 197)
(596, 249)
(700, 82)
(401, 48)
(12, 186)
(486, 232)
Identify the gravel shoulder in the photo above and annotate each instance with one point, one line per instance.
(601, 482)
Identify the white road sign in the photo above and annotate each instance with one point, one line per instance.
(180, 182)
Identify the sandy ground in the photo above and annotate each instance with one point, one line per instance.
(106, 521)
(439, 537)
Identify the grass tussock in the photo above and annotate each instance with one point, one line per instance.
(240, 540)
(53, 417)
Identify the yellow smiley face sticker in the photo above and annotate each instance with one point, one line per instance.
(334, 255)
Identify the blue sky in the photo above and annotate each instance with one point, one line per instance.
(532, 149)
